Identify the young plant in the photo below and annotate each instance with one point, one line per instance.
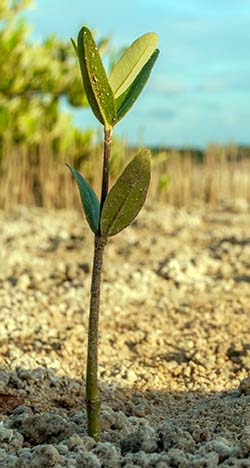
(110, 98)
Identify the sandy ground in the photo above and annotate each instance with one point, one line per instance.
(174, 359)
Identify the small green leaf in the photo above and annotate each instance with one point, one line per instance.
(128, 98)
(74, 46)
(131, 63)
(98, 90)
(90, 202)
(127, 196)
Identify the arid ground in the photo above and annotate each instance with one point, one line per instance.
(174, 355)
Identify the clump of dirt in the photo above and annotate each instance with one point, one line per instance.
(174, 358)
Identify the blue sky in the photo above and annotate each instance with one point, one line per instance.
(199, 91)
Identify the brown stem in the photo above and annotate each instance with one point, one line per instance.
(105, 171)
(92, 397)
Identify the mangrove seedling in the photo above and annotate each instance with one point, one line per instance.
(110, 98)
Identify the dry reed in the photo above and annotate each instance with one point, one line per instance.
(221, 175)
(39, 177)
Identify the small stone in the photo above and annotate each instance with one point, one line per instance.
(62, 449)
(44, 456)
(131, 376)
(88, 460)
(74, 441)
(144, 439)
(244, 386)
(107, 454)
(4, 379)
(22, 409)
(10, 461)
(6, 435)
(218, 445)
(211, 460)
(24, 281)
(45, 427)
(89, 443)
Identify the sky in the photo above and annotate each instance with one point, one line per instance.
(199, 90)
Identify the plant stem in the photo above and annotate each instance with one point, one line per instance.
(105, 171)
(92, 399)
(92, 396)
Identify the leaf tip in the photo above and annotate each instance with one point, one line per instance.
(74, 45)
(69, 167)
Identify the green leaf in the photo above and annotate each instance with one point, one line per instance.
(90, 202)
(128, 98)
(98, 90)
(74, 46)
(127, 196)
(131, 63)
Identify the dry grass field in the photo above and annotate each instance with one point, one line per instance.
(41, 178)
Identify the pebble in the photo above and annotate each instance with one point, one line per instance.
(244, 386)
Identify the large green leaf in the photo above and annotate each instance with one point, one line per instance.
(131, 63)
(90, 202)
(98, 90)
(128, 98)
(127, 196)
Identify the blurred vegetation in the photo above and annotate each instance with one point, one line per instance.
(37, 138)
(33, 79)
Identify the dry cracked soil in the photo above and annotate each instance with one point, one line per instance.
(174, 350)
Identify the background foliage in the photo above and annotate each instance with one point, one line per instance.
(37, 138)
(33, 79)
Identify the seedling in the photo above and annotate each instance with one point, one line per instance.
(110, 99)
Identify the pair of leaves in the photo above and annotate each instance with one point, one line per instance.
(131, 62)
(124, 200)
(110, 99)
(128, 98)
